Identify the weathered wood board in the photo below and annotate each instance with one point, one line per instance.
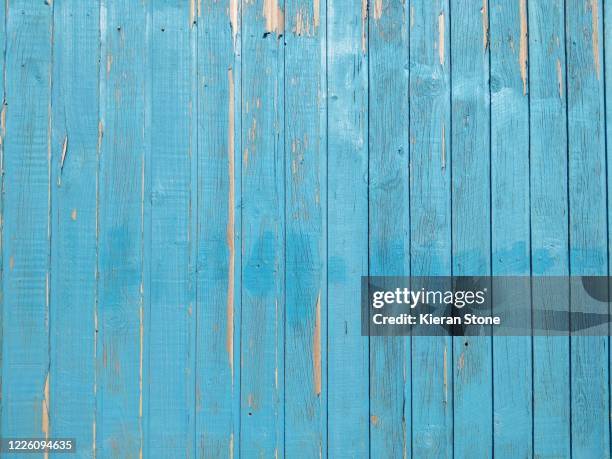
(191, 192)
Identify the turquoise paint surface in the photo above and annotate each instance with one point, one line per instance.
(191, 192)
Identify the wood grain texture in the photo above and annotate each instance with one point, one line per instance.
(26, 220)
(74, 198)
(171, 323)
(607, 46)
(348, 420)
(471, 217)
(123, 314)
(587, 222)
(217, 103)
(305, 219)
(389, 219)
(264, 169)
(2, 159)
(512, 410)
(430, 219)
(192, 191)
(549, 222)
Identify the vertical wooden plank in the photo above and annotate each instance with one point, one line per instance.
(389, 224)
(607, 47)
(549, 213)
(218, 215)
(305, 213)
(430, 217)
(510, 221)
(76, 48)
(3, 44)
(263, 235)
(472, 365)
(588, 220)
(348, 351)
(121, 308)
(26, 232)
(171, 344)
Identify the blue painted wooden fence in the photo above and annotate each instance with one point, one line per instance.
(191, 191)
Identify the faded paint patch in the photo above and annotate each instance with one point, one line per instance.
(316, 348)
(364, 25)
(302, 23)
(595, 35)
(443, 146)
(253, 130)
(523, 44)
(485, 24)
(230, 227)
(378, 9)
(233, 15)
(251, 402)
(45, 408)
(3, 122)
(316, 13)
(274, 16)
(192, 12)
(73, 215)
(231, 445)
(560, 79)
(445, 375)
(441, 32)
(100, 134)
